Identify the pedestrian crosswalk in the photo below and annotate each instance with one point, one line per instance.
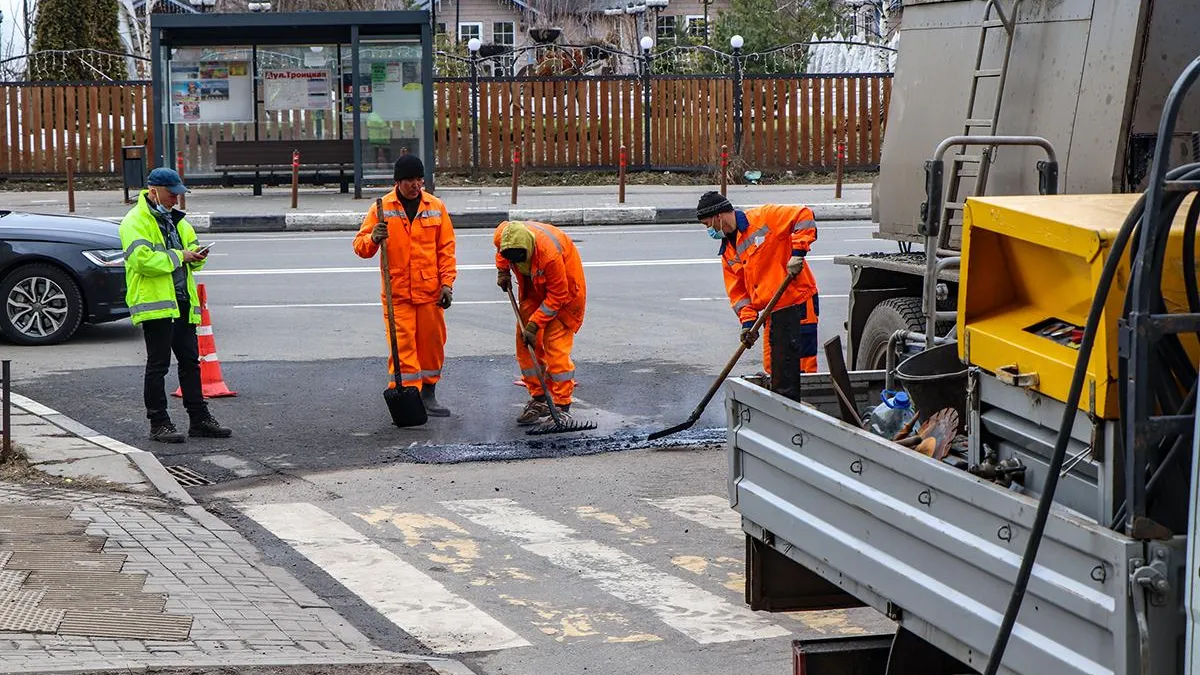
(483, 575)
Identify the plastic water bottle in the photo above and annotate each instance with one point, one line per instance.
(890, 416)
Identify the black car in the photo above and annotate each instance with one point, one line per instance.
(57, 272)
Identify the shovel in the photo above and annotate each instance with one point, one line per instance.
(559, 425)
(712, 391)
(404, 404)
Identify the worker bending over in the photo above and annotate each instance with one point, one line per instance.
(760, 247)
(552, 298)
(416, 228)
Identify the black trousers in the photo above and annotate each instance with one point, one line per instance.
(793, 336)
(164, 336)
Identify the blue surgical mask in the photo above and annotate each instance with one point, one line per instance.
(715, 233)
(162, 209)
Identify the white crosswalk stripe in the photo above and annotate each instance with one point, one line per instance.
(412, 600)
(708, 510)
(693, 611)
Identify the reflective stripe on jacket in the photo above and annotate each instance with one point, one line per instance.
(756, 264)
(421, 253)
(149, 264)
(555, 282)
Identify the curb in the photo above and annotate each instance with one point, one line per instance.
(145, 462)
(472, 220)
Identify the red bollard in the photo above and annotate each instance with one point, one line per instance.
(724, 168)
(179, 168)
(841, 161)
(295, 178)
(621, 177)
(70, 185)
(516, 172)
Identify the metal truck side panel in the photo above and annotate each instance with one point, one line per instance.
(893, 527)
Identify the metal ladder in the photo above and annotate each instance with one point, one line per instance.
(963, 165)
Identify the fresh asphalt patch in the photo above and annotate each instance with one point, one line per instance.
(298, 416)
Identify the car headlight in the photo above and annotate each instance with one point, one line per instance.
(114, 257)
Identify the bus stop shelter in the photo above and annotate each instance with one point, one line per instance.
(236, 95)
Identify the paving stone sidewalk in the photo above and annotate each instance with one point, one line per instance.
(163, 568)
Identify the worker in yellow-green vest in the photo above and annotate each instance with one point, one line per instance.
(379, 134)
(161, 253)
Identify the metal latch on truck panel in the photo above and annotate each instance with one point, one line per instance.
(1152, 580)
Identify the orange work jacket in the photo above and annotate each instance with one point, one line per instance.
(420, 253)
(555, 282)
(755, 260)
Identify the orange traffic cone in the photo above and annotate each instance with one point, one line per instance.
(210, 366)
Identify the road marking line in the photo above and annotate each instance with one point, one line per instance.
(691, 610)
(408, 597)
(462, 268)
(708, 510)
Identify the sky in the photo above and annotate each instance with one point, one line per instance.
(12, 41)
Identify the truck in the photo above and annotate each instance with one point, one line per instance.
(1045, 520)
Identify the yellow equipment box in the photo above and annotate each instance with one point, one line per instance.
(1030, 265)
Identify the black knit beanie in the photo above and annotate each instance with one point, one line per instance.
(409, 166)
(712, 203)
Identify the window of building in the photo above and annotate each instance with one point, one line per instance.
(665, 30)
(696, 26)
(504, 33)
(466, 31)
(441, 28)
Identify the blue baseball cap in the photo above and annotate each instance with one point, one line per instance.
(168, 178)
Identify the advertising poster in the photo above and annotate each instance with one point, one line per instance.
(296, 89)
(364, 93)
(211, 91)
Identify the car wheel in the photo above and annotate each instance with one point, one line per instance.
(39, 305)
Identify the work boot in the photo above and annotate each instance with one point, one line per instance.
(207, 426)
(166, 433)
(535, 411)
(429, 398)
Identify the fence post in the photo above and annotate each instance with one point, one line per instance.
(736, 43)
(5, 410)
(724, 168)
(474, 106)
(621, 177)
(70, 185)
(647, 67)
(295, 178)
(179, 168)
(516, 172)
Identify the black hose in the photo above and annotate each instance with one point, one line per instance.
(1046, 500)
(1189, 256)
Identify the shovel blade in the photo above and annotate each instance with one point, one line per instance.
(405, 406)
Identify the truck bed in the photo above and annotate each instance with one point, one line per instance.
(926, 543)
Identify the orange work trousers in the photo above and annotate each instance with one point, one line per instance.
(420, 343)
(794, 335)
(553, 349)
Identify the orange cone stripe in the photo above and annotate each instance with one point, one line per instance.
(211, 379)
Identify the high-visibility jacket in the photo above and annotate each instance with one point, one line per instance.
(150, 265)
(420, 253)
(556, 283)
(755, 261)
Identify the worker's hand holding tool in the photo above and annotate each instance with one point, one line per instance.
(504, 280)
(380, 232)
(749, 337)
(530, 332)
(795, 265)
(446, 298)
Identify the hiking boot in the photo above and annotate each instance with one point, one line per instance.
(429, 398)
(208, 427)
(535, 411)
(166, 433)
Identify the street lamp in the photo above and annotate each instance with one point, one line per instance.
(736, 42)
(202, 5)
(647, 44)
(473, 46)
(258, 6)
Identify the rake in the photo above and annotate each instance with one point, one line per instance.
(559, 425)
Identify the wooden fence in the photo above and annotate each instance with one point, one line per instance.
(555, 123)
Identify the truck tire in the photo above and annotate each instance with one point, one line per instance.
(888, 317)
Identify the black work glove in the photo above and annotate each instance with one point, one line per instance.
(446, 298)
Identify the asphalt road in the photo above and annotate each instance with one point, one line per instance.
(617, 562)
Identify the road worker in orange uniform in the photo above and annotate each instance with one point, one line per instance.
(759, 248)
(416, 228)
(551, 300)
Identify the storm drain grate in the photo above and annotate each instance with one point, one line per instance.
(187, 477)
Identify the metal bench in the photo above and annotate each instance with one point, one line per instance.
(271, 161)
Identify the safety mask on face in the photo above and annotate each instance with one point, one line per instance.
(162, 209)
(715, 233)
